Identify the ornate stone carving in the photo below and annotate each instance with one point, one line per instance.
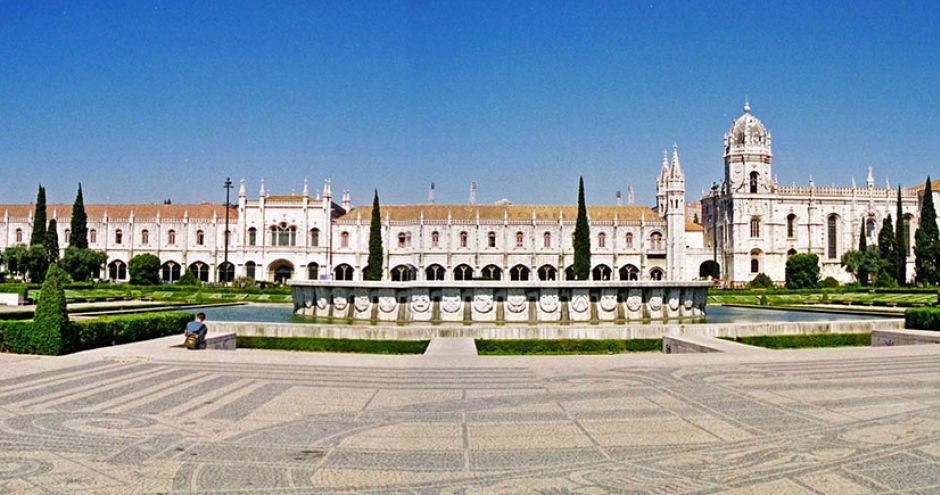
(635, 300)
(451, 302)
(608, 301)
(516, 301)
(580, 303)
(548, 302)
(483, 302)
(656, 301)
(340, 303)
(387, 304)
(322, 300)
(673, 299)
(420, 303)
(362, 301)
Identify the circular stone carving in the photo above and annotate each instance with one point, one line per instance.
(689, 302)
(656, 302)
(548, 302)
(322, 301)
(634, 301)
(483, 303)
(515, 303)
(308, 298)
(580, 303)
(420, 303)
(340, 302)
(387, 304)
(674, 300)
(608, 302)
(450, 304)
(362, 302)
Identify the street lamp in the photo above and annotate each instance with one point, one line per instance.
(228, 190)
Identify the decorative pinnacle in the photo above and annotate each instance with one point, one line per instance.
(747, 105)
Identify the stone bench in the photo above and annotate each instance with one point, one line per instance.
(693, 344)
(881, 338)
(220, 341)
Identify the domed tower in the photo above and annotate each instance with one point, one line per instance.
(748, 156)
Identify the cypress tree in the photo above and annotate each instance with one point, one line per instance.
(38, 237)
(901, 253)
(52, 241)
(373, 270)
(863, 248)
(888, 246)
(926, 241)
(79, 235)
(582, 238)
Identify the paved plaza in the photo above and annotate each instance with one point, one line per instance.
(147, 419)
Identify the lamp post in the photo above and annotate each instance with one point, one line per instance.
(228, 190)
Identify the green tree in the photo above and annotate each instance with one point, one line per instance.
(901, 253)
(582, 238)
(373, 270)
(79, 236)
(802, 271)
(887, 247)
(50, 328)
(52, 241)
(189, 278)
(863, 273)
(144, 269)
(862, 264)
(37, 262)
(82, 264)
(927, 241)
(38, 237)
(761, 281)
(16, 259)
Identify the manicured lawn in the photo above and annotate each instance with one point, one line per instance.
(312, 344)
(806, 341)
(566, 346)
(855, 298)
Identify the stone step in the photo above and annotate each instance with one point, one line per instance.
(888, 337)
(690, 344)
(451, 346)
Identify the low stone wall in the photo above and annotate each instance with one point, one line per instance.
(881, 338)
(391, 331)
(695, 344)
(11, 299)
(500, 301)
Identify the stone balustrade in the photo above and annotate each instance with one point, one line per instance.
(500, 301)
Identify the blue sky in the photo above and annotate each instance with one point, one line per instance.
(143, 100)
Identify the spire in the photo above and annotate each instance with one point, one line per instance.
(346, 201)
(306, 188)
(747, 105)
(241, 189)
(619, 198)
(261, 192)
(676, 170)
(870, 181)
(473, 192)
(664, 170)
(327, 189)
(431, 194)
(630, 197)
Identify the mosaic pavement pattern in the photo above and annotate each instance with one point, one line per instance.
(850, 426)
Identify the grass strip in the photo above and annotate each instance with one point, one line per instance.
(565, 346)
(314, 344)
(805, 341)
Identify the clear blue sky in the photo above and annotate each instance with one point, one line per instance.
(145, 100)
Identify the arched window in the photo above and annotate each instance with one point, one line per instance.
(832, 231)
(629, 272)
(601, 272)
(118, 236)
(657, 274)
(492, 272)
(908, 233)
(463, 239)
(145, 237)
(656, 241)
(200, 238)
(117, 270)
(630, 239)
(601, 240)
(252, 236)
(19, 235)
(791, 226)
(200, 270)
(68, 235)
(491, 239)
(547, 239)
(434, 272)
(313, 271)
(463, 272)
(520, 239)
(170, 271)
(402, 239)
(791, 252)
(547, 272)
(755, 260)
(436, 240)
(519, 272)
(344, 241)
(226, 272)
(250, 269)
(870, 227)
(755, 227)
(403, 273)
(282, 235)
(343, 272)
(171, 237)
(314, 237)
(753, 182)
(92, 236)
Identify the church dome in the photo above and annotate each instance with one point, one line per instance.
(747, 135)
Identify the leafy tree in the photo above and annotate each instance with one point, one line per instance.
(829, 283)
(901, 253)
(38, 237)
(50, 328)
(863, 272)
(52, 241)
(802, 271)
(887, 248)
(82, 264)
(37, 262)
(761, 281)
(144, 269)
(927, 241)
(582, 238)
(863, 263)
(79, 235)
(16, 259)
(884, 279)
(373, 270)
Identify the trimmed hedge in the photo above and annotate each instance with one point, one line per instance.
(314, 344)
(512, 347)
(805, 340)
(17, 336)
(922, 318)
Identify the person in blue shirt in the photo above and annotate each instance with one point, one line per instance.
(198, 327)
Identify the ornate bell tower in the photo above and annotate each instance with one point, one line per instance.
(748, 156)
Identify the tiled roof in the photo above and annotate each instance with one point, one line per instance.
(97, 211)
(934, 184)
(464, 212)
(693, 227)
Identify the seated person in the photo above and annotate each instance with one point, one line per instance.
(198, 328)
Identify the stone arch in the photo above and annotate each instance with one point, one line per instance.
(547, 272)
(629, 272)
(519, 273)
(434, 272)
(200, 270)
(403, 273)
(343, 272)
(281, 270)
(601, 272)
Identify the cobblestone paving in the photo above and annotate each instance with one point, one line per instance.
(859, 422)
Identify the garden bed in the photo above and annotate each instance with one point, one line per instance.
(805, 341)
(313, 344)
(526, 347)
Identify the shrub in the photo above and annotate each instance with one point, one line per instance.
(123, 329)
(566, 346)
(313, 344)
(802, 271)
(829, 283)
(48, 333)
(884, 279)
(189, 278)
(806, 340)
(144, 269)
(922, 318)
(761, 281)
(82, 264)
